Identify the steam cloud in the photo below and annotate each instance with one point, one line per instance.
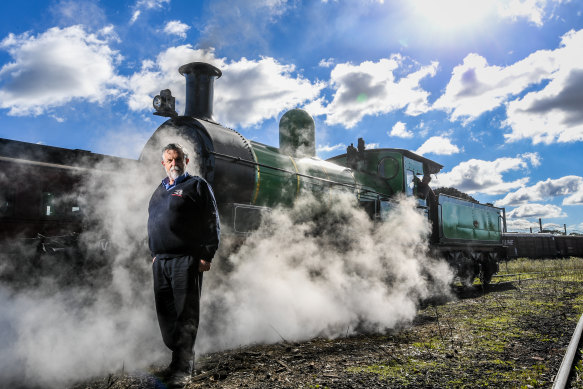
(321, 268)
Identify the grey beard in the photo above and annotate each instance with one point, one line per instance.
(174, 173)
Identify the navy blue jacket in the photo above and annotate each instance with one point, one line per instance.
(184, 220)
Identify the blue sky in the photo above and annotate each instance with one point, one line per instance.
(492, 90)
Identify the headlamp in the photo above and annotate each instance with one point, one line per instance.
(157, 103)
(164, 104)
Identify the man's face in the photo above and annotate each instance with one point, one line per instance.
(174, 163)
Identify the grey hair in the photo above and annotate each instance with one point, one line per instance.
(175, 147)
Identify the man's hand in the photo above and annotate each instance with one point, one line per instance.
(204, 266)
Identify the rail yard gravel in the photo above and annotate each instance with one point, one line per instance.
(513, 334)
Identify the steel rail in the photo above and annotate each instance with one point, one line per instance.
(527, 274)
(522, 274)
(530, 272)
(562, 377)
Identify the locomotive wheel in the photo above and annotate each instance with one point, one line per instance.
(488, 267)
(466, 273)
(487, 270)
(485, 275)
(464, 268)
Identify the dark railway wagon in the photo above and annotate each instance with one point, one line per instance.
(569, 245)
(41, 188)
(530, 245)
(540, 245)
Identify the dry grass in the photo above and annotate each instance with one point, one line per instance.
(567, 269)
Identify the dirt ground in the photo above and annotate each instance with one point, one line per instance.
(512, 335)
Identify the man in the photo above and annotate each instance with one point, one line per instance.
(423, 189)
(425, 192)
(183, 234)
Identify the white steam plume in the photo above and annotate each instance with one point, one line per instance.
(307, 272)
(86, 312)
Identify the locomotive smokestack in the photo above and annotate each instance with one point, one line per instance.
(199, 89)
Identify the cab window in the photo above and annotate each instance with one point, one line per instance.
(410, 183)
(59, 205)
(388, 167)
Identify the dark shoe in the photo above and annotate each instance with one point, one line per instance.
(178, 379)
(167, 371)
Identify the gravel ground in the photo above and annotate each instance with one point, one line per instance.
(510, 335)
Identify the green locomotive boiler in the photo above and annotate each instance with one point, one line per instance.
(250, 177)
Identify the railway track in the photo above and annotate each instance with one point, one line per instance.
(526, 276)
(569, 360)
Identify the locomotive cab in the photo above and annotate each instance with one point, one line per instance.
(390, 172)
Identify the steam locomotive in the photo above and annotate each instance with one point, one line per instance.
(249, 177)
(50, 210)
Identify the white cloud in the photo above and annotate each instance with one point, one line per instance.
(400, 130)
(176, 27)
(317, 106)
(59, 119)
(525, 225)
(370, 88)
(249, 92)
(551, 114)
(478, 176)
(522, 225)
(328, 148)
(570, 186)
(326, 63)
(135, 16)
(253, 91)
(477, 87)
(531, 10)
(576, 198)
(536, 210)
(553, 226)
(146, 5)
(438, 145)
(533, 158)
(55, 67)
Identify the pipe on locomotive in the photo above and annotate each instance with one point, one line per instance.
(200, 77)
